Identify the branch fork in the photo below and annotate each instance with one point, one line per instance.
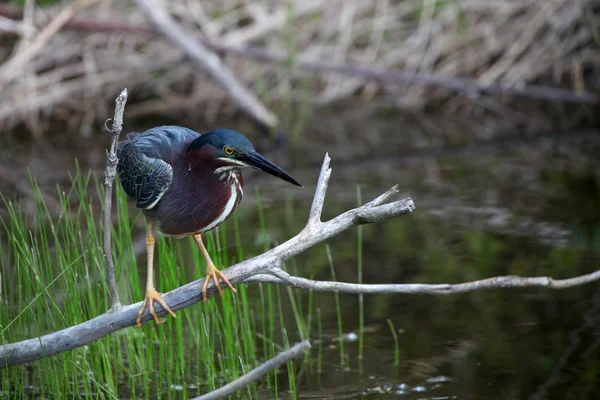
(376, 210)
(266, 266)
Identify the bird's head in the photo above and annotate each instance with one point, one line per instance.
(232, 149)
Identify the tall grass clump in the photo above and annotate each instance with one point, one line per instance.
(53, 277)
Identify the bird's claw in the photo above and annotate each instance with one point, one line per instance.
(151, 296)
(213, 273)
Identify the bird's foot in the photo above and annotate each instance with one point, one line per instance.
(213, 273)
(151, 296)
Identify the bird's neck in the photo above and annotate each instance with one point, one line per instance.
(198, 162)
(231, 175)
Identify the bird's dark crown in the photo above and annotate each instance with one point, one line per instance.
(221, 139)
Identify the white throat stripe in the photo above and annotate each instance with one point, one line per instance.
(226, 211)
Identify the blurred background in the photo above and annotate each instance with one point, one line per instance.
(484, 112)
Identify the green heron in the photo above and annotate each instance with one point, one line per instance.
(187, 183)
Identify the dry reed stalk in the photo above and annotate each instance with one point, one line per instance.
(505, 42)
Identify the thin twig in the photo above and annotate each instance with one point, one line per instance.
(281, 275)
(498, 282)
(384, 197)
(314, 217)
(110, 172)
(208, 62)
(293, 352)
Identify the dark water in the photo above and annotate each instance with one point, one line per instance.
(509, 205)
(511, 344)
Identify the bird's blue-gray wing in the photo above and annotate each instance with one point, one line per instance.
(168, 143)
(144, 179)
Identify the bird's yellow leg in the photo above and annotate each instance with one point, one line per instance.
(151, 294)
(211, 271)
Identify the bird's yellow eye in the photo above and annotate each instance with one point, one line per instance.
(228, 150)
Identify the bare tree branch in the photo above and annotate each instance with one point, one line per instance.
(263, 268)
(110, 172)
(314, 217)
(293, 352)
(498, 282)
(208, 62)
(184, 296)
(267, 268)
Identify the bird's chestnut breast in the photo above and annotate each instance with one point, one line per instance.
(198, 199)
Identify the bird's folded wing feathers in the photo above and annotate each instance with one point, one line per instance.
(144, 179)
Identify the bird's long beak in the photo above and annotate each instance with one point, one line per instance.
(257, 161)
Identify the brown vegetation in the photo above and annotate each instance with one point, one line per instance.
(68, 63)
